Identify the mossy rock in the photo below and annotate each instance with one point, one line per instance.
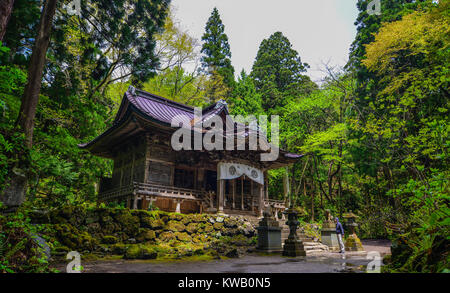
(109, 228)
(176, 217)
(60, 250)
(200, 238)
(192, 228)
(129, 223)
(353, 244)
(164, 218)
(119, 249)
(94, 228)
(232, 253)
(167, 236)
(230, 222)
(218, 226)
(156, 224)
(140, 252)
(208, 228)
(74, 238)
(109, 239)
(187, 219)
(175, 226)
(199, 218)
(106, 219)
(146, 221)
(183, 236)
(146, 235)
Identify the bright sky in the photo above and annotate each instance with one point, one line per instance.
(320, 30)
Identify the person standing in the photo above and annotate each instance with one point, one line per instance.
(340, 234)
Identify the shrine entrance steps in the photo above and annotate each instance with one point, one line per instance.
(311, 245)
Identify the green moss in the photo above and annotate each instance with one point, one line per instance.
(183, 236)
(109, 239)
(156, 224)
(119, 249)
(128, 222)
(137, 251)
(218, 226)
(146, 235)
(175, 226)
(167, 236)
(192, 228)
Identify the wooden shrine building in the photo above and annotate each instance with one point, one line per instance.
(148, 171)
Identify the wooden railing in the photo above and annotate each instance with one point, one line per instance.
(278, 204)
(115, 193)
(151, 189)
(168, 191)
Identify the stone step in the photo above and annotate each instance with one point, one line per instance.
(320, 247)
(308, 252)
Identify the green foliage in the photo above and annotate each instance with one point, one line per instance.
(216, 49)
(19, 251)
(245, 100)
(278, 73)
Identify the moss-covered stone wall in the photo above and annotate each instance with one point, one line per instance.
(144, 235)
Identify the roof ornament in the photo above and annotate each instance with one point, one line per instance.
(221, 103)
(132, 90)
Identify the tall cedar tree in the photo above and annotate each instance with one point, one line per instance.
(277, 72)
(14, 193)
(216, 49)
(6, 7)
(121, 37)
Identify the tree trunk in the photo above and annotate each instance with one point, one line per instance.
(14, 193)
(6, 7)
(30, 97)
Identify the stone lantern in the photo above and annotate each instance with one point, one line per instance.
(292, 245)
(352, 243)
(328, 233)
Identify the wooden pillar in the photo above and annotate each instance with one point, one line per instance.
(178, 207)
(251, 196)
(242, 193)
(129, 202)
(151, 202)
(260, 200)
(220, 194)
(266, 186)
(135, 202)
(233, 187)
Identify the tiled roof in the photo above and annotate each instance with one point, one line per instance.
(163, 110)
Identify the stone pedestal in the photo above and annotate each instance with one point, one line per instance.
(269, 234)
(292, 245)
(328, 233)
(329, 238)
(352, 243)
